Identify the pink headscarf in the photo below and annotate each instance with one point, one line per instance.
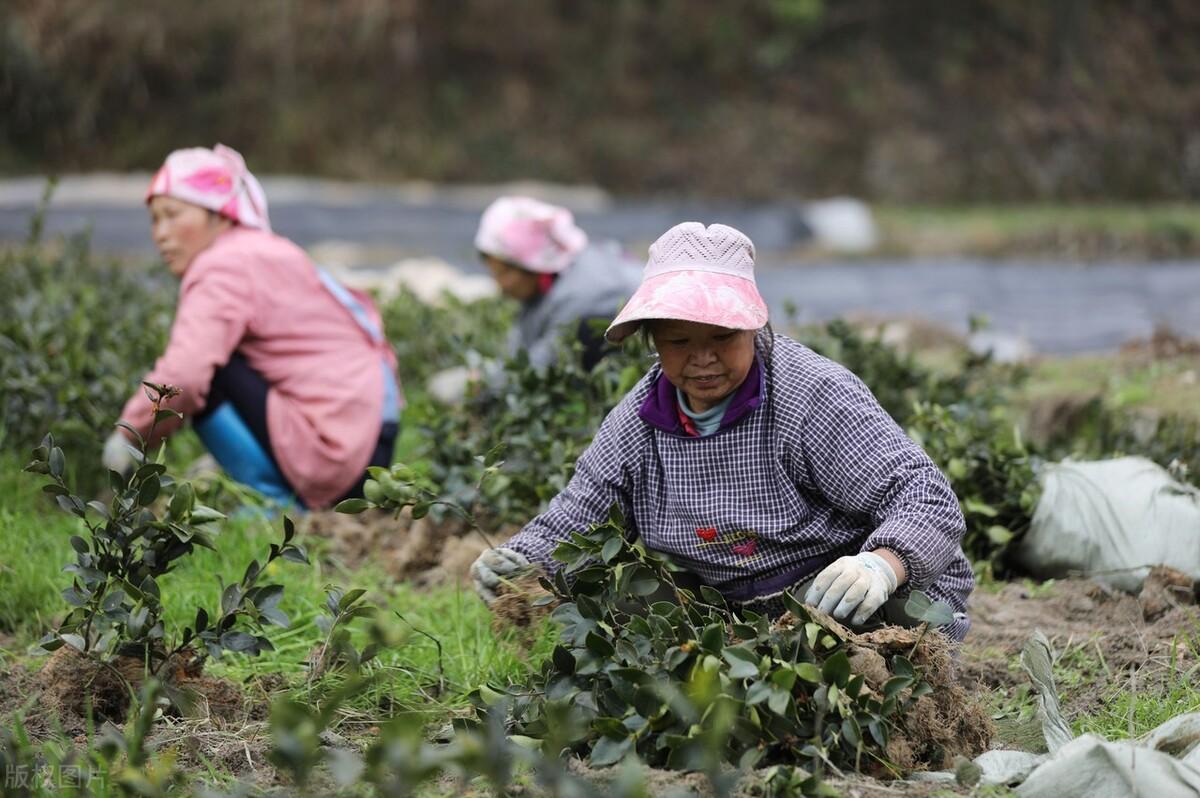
(534, 235)
(216, 179)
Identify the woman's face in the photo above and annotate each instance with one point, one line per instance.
(181, 231)
(515, 282)
(704, 361)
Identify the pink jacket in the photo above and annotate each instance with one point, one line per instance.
(259, 294)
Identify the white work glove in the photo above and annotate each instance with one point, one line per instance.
(449, 386)
(118, 454)
(491, 567)
(859, 584)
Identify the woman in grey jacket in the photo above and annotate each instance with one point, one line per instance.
(539, 257)
(754, 463)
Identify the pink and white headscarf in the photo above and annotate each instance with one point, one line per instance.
(215, 179)
(696, 273)
(529, 233)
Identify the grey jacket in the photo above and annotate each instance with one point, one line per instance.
(594, 286)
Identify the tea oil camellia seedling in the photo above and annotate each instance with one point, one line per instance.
(151, 522)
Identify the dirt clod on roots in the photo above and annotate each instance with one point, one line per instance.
(514, 604)
(1164, 590)
(71, 680)
(948, 722)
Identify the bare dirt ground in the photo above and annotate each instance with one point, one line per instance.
(1100, 636)
(422, 551)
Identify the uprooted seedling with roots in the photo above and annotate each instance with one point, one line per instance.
(687, 682)
(116, 632)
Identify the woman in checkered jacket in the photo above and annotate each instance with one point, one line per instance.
(753, 462)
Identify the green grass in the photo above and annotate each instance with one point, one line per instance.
(1153, 230)
(1131, 711)
(33, 550)
(1168, 386)
(34, 546)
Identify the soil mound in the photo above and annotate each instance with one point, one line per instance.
(1164, 590)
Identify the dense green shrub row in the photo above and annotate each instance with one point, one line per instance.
(76, 333)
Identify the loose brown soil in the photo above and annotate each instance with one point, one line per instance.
(423, 552)
(59, 693)
(225, 728)
(1102, 633)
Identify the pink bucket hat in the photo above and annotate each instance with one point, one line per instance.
(216, 179)
(696, 273)
(529, 233)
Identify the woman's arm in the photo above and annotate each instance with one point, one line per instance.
(603, 477)
(863, 463)
(216, 303)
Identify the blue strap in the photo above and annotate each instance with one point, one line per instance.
(391, 391)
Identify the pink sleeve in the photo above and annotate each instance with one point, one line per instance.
(216, 303)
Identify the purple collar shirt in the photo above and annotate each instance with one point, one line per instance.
(805, 467)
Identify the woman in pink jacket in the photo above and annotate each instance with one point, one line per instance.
(285, 373)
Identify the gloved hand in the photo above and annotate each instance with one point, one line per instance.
(859, 584)
(118, 453)
(492, 566)
(449, 386)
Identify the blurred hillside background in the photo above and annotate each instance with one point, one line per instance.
(891, 100)
(992, 147)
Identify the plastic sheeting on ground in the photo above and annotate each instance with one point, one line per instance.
(1162, 764)
(1113, 520)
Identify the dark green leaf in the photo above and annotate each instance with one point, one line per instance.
(204, 515)
(599, 646)
(100, 509)
(350, 598)
(182, 501)
(71, 504)
(836, 669)
(778, 701)
(563, 660)
(239, 641)
(230, 598)
(758, 692)
(609, 751)
(808, 671)
(148, 491)
(295, 553)
(740, 667)
(74, 641)
(713, 638)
